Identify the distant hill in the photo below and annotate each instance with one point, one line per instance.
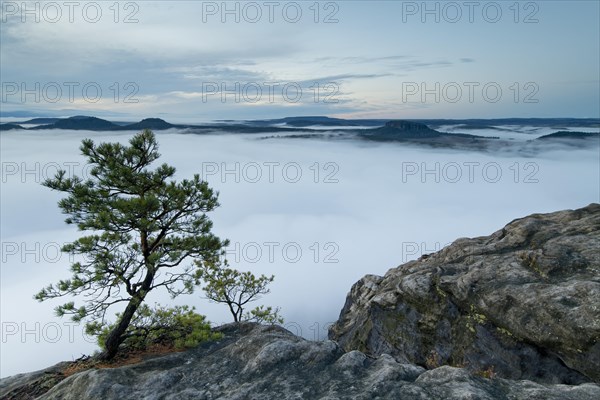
(318, 120)
(81, 123)
(570, 135)
(538, 122)
(481, 127)
(8, 127)
(40, 121)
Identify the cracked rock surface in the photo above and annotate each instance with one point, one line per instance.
(269, 362)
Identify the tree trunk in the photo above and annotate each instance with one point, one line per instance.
(116, 336)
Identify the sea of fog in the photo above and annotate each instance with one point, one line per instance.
(317, 214)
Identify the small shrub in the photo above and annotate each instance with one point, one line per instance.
(488, 373)
(433, 360)
(264, 315)
(180, 327)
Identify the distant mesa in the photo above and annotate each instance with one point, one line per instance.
(401, 130)
(407, 129)
(151, 123)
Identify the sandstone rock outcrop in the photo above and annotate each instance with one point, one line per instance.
(270, 363)
(523, 302)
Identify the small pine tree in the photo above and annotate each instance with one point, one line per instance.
(236, 289)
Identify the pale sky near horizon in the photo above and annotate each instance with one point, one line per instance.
(353, 59)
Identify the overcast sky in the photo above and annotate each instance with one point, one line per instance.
(380, 59)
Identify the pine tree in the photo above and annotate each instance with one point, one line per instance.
(143, 229)
(236, 289)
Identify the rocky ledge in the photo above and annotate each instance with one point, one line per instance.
(523, 302)
(268, 362)
(514, 315)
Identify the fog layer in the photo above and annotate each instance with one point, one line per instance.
(317, 214)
